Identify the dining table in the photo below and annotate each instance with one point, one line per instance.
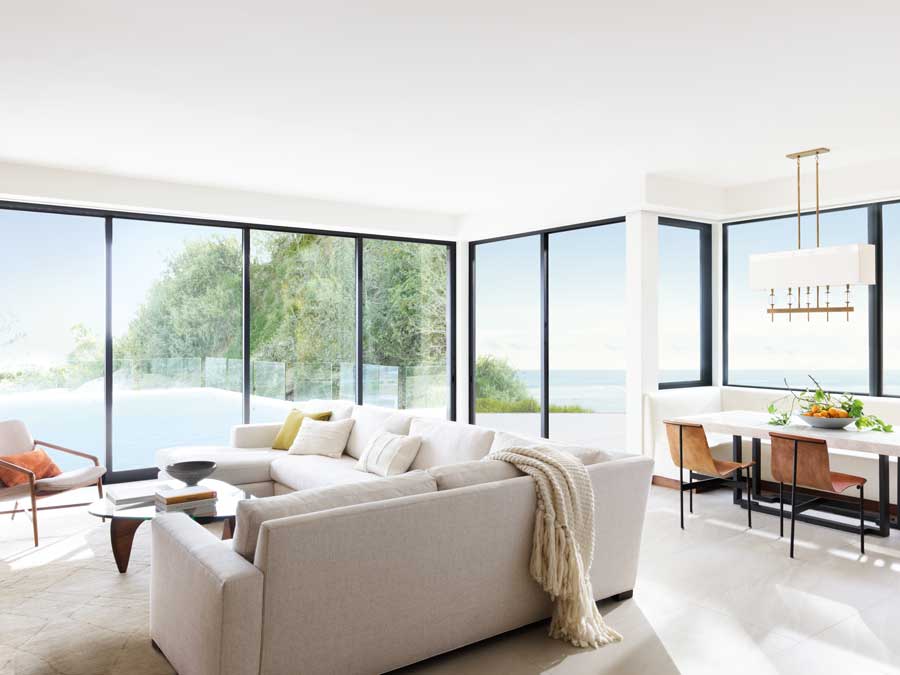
(740, 424)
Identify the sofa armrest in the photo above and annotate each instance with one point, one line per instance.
(205, 601)
(254, 435)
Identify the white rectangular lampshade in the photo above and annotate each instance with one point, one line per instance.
(853, 264)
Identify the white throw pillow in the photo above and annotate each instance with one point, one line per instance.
(321, 438)
(389, 454)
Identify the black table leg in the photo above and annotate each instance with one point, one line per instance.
(737, 452)
(757, 465)
(884, 495)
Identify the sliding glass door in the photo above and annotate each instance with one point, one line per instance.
(302, 321)
(52, 275)
(177, 335)
(405, 326)
(586, 317)
(507, 297)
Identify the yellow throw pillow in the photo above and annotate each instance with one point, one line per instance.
(291, 426)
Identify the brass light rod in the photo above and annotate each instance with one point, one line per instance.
(808, 153)
(810, 310)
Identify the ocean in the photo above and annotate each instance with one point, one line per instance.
(604, 390)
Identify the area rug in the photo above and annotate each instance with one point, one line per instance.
(65, 609)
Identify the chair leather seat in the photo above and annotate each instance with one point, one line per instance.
(842, 481)
(725, 467)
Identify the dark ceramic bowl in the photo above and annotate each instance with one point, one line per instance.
(191, 473)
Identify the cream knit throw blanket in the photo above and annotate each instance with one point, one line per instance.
(563, 546)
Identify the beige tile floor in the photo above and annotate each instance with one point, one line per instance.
(715, 598)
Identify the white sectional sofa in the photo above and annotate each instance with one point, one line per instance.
(341, 571)
(671, 403)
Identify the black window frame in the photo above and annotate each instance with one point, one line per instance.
(706, 319)
(109, 215)
(875, 222)
(544, 271)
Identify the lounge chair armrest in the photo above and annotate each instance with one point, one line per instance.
(69, 451)
(254, 435)
(20, 469)
(205, 600)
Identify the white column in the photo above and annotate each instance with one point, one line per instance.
(462, 331)
(642, 361)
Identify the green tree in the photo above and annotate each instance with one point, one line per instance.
(193, 309)
(497, 380)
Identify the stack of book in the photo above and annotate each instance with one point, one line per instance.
(131, 495)
(196, 500)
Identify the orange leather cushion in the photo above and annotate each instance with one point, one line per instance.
(37, 461)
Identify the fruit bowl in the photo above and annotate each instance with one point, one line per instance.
(828, 422)
(191, 473)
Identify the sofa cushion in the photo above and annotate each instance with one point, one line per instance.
(292, 423)
(322, 438)
(369, 420)
(389, 454)
(233, 465)
(504, 441)
(252, 513)
(450, 476)
(448, 442)
(301, 472)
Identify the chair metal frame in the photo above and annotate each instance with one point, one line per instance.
(734, 481)
(813, 501)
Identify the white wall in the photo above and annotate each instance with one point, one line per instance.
(46, 185)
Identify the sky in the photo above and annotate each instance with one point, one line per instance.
(52, 268)
(587, 299)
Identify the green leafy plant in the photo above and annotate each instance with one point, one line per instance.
(779, 418)
(816, 402)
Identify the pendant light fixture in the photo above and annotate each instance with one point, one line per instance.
(821, 268)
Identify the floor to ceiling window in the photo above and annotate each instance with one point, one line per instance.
(52, 274)
(684, 320)
(586, 312)
(507, 298)
(172, 372)
(891, 301)
(405, 325)
(767, 353)
(302, 320)
(177, 337)
(560, 292)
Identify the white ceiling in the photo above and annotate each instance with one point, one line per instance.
(463, 107)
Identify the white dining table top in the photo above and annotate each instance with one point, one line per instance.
(755, 424)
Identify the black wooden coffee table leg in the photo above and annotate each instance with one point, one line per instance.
(121, 536)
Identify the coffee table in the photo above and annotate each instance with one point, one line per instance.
(125, 520)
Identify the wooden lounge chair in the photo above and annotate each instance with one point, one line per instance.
(16, 439)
